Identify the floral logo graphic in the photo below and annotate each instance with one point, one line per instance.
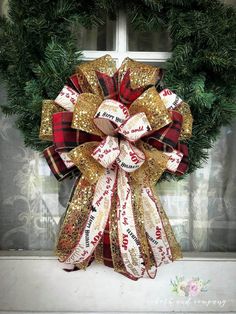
(187, 288)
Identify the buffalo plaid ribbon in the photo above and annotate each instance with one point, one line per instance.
(167, 139)
(127, 94)
(109, 85)
(122, 92)
(64, 138)
(73, 82)
(57, 165)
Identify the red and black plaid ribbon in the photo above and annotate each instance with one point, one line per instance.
(109, 85)
(183, 166)
(166, 138)
(73, 82)
(127, 94)
(64, 137)
(107, 257)
(111, 89)
(57, 165)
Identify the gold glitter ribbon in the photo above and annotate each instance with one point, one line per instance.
(49, 107)
(154, 166)
(76, 216)
(151, 104)
(84, 111)
(87, 73)
(186, 130)
(81, 156)
(141, 75)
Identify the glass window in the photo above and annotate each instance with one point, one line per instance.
(161, 65)
(29, 203)
(202, 208)
(101, 38)
(148, 41)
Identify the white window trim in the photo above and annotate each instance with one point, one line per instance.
(121, 51)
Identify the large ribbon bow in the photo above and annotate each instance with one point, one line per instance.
(122, 135)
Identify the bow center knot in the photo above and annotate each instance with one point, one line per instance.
(113, 119)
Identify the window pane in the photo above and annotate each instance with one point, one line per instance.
(161, 65)
(29, 204)
(98, 38)
(148, 41)
(202, 208)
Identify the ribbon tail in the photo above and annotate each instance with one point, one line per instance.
(127, 233)
(156, 228)
(117, 261)
(150, 264)
(76, 215)
(93, 229)
(173, 243)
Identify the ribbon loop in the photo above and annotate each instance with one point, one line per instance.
(151, 104)
(130, 158)
(151, 171)
(170, 99)
(110, 113)
(186, 130)
(107, 151)
(81, 156)
(167, 138)
(84, 111)
(140, 76)
(59, 168)
(67, 98)
(64, 137)
(87, 73)
(135, 127)
(49, 107)
(174, 161)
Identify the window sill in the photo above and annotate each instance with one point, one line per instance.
(187, 256)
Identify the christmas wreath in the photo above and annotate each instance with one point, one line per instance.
(38, 53)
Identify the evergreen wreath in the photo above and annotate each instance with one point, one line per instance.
(38, 52)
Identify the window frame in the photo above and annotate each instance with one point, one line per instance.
(121, 47)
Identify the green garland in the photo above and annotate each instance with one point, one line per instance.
(38, 52)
